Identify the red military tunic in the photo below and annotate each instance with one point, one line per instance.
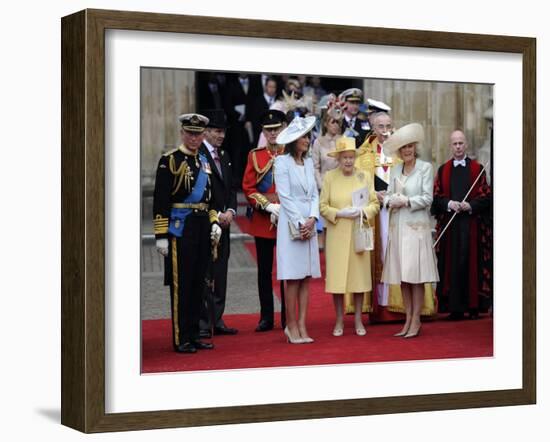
(259, 189)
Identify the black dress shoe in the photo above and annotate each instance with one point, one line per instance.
(205, 334)
(199, 345)
(455, 316)
(225, 330)
(186, 347)
(264, 326)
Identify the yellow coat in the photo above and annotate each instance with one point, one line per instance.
(346, 271)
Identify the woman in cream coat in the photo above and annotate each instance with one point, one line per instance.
(297, 258)
(346, 270)
(410, 259)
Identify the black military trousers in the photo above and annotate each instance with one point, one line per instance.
(264, 255)
(190, 255)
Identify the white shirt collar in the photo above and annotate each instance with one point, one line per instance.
(208, 146)
(461, 162)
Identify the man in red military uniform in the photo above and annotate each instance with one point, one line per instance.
(259, 189)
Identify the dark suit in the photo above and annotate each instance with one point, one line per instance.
(254, 112)
(210, 90)
(237, 140)
(224, 197)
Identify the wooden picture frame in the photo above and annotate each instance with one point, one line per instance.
(83, 219)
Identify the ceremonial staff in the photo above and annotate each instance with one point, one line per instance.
(454, 214)
(210, 286)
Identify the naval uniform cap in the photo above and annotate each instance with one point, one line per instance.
(351, 94)
(377, 106)
(193, 122)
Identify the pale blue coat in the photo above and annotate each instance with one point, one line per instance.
(299, 197)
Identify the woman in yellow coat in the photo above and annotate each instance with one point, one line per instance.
(346, 270)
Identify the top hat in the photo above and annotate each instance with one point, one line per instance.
(216, 117)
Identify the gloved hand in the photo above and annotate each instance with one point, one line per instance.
(398, 200)
(454, 206)
(215, 233)
(273, 208)
(348, 212)
(274, 219)
(465, 206)
(162, 246)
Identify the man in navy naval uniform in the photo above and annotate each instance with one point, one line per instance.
(185, 225)
(353, 98)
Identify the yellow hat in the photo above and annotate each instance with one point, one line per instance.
(345, 144)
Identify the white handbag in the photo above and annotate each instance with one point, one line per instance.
(294, 232)
(363, 236)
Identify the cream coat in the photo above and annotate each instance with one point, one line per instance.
(296, 259)
(346, 271)
(409, 253)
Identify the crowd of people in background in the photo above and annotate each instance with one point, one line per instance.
(323, 172)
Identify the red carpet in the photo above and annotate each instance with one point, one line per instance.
(248, 349)
(439, 340)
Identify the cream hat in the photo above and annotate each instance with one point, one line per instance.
(411, 133)
(297, 128)
(345, 144)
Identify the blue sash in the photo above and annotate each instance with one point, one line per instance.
(263, 186)
(178, 215)
(266, 182)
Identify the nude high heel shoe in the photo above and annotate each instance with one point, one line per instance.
(292, 340)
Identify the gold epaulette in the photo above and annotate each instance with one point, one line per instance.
(213, 216)
(160, 225)
(258, 148)
(261, 200)
(170, 152)
(260, 170)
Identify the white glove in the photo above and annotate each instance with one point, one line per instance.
(397, 200)
(274, 219)
(349, 212)
(215, 233)
(454, 206)
(162, 246)
(273, 208)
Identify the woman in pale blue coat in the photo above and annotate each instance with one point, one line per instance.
(297, 247)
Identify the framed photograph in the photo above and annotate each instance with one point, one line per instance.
(124, 73)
